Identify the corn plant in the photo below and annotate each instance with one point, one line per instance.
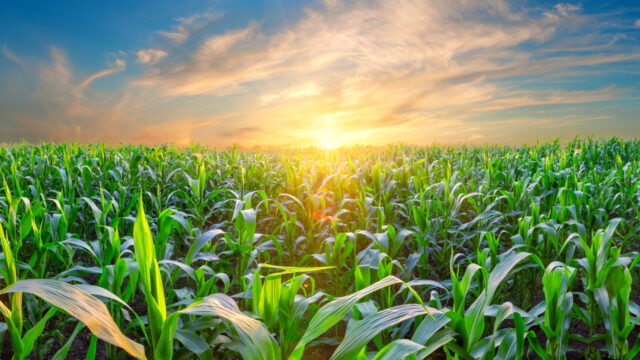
(558, 304)
(292, 253)
(76, 301)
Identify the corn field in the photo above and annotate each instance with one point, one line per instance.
(375, 253)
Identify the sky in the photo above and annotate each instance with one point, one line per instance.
(326, 73)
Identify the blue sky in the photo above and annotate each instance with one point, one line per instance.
(329, 73)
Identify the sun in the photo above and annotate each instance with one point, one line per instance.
(328, 139)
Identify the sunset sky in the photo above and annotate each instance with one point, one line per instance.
(327, 73)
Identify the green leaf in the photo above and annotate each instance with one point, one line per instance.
(334, 311)
(429, 326)
(474, 316)
(81, 305)
(34, 333)
(398, 349)
(191, 341)
(254, 340)
(149, 273)
(93, 347)
(61, 354)
(200, 242)
(364, 330)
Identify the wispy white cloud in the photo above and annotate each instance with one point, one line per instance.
(209, 69)
(186, 25)
(55, 80)
(150, 56)
(392, 39)
(11, 55)
(179, 36)
(120, 65)
(520, 98)
(563, 10)
(61, 108)
(295, 92)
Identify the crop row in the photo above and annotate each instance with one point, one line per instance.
(357, 253)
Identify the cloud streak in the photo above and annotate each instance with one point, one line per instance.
(120, 65)
(10, 55)
(186, 25)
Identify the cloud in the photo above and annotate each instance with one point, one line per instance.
(353, 72)
(186, 25)
(120, 65)
(395, 67)
(150, 56)
(391, 39)
(209, 68)
(60, 108)
(637, 23)
(296, 92)
(563, 11)
(567, 9)
(545, 97)
(11, 55)
(55, 81)
(179, 36)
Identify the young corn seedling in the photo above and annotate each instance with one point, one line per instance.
(278, 304)
(596, 264)
(613, 299)
(242, 246)
(64, 206)
(163, 326)
(558, 304)
(338, 249)
(469, 323)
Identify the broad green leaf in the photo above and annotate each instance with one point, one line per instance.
(254, 340)
(474, 316)
(29, 339)
(84, 307)
(364, 330)
(334, 311)
(200, 242)
(398, 350)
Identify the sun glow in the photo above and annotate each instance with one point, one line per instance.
(328, 139)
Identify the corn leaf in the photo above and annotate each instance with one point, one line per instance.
(331, 313)
(364, 330)
(84, 307)
(254, 340)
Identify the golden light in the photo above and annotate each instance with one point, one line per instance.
(327, 132)
(328, 139)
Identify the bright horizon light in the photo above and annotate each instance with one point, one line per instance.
(328, 140)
